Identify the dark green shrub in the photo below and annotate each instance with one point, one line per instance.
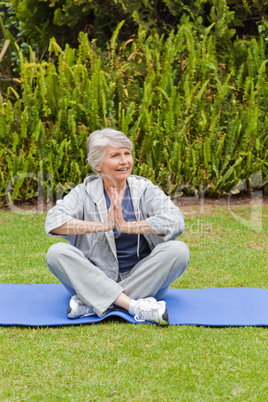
(63, 19)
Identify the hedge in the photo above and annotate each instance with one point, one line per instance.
(195, 121)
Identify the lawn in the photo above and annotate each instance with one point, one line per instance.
(118, 361)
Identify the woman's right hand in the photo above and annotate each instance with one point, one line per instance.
(110, 221)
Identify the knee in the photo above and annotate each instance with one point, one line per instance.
(55, 252)
(179, 251)
(184, 251)
(181, 257)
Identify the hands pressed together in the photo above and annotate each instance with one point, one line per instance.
(115, 217)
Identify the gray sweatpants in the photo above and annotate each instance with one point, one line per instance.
(151, 276)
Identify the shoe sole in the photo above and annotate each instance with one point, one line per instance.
(165, 318)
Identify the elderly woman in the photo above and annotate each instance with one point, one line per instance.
(121, 231)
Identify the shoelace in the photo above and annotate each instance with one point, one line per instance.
(145, 313)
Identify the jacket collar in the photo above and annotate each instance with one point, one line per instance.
(94, 187)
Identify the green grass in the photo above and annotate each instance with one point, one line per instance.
(114, 360)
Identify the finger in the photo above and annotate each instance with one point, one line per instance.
(112, 191)
(117, 198)
(113, 196)
(112, 203)
(112, 209)
(111, 215)
(119, 216)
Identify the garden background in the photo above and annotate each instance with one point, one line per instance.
(185, 80)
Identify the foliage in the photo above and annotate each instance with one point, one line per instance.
(34, 22)
(12, 36)
(39, 20)
(263, 31)
(4, 52)
(195, 122)
(248, 13)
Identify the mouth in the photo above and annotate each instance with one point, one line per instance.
(122, 170)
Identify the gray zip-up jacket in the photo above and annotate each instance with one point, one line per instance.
(87, 202)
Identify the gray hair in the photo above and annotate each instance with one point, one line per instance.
(99, 140)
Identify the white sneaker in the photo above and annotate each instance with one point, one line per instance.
(151, 310)
(77, 309)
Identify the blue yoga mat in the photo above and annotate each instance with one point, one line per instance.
(46, 305)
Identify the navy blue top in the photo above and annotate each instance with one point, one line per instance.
(126, 243)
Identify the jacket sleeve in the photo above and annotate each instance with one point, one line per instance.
(161, 213)
(70, 207)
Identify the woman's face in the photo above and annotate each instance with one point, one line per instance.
(117, 164)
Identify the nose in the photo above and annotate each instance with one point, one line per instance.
(123, 159)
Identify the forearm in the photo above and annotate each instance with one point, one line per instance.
(138, 227)
(79, 227)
